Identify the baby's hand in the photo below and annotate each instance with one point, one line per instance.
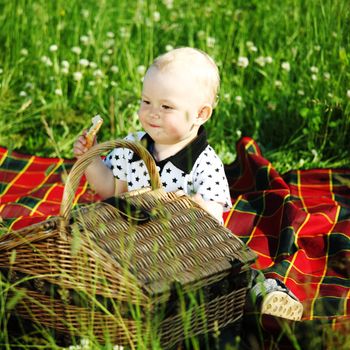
(80, 145)
(88, 138)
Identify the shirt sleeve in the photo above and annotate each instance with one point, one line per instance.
(209, 179)
(118, 160)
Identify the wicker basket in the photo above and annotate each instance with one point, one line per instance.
(156, 268)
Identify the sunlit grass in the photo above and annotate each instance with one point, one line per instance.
(284, 71)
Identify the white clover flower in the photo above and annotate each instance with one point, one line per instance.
(65, 71)
(110, 35)
(301, 162)
(29, 85)
(124, 33)
(285, 66)
(278, 83)
(326, 75)
(77, 76)
(301, 92)
(85, 342)
(314, 77)
(334, 34)
(93, 65)
(53, 48)
(84, 62)
(238, 133)
(65, 64)
(252, 48)
(169, 48)
(24, 52)
(106, 59)
(109, 43)
(330, 95)
(85, 13)
(46, 60)
(58, 92)
(156, 16)
(201, 34)
(271, 106)
(76, 50)
(227, 96)
(348, 94)
(114, 83)
(98, 73)
(109, 52)
(268, 59)
(317, 48)
(85, 40)
(249, 44)
(260, 61)
(91, 83)
(243, 62)
(211, 41)
(22, 94)
(315, 154)
(314, 69)
(168, 4)
(141, 69)
(114, 69)
(1, 71)
(238, 99)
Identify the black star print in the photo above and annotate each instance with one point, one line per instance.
(174, 180)
(208, 188)
(206, 154)
(119, 167)
(183, 174)
(137, 179)
(201, 183)
(133, 171)
(116, 157)
(110, 157)
(112, 167)
(164, 184)
(190, 183)
(217, 170)
(141, 165)
(217, 182)
(144, 173)
(210, 176)
(130, 183)
(168, 170)
(123, 156)
(208, 163)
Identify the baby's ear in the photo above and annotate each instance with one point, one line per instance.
(204, 113)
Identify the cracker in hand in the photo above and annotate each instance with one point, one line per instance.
(95, 127)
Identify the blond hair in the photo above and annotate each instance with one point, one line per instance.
(199, 64)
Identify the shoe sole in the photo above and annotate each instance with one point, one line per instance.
(280, 304)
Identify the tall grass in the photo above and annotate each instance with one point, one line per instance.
(284, 71)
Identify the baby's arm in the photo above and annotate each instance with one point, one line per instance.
(213, 208)
(98, 175)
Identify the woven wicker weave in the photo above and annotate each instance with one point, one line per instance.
(126, 278)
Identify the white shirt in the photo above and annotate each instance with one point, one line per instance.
(194, 169)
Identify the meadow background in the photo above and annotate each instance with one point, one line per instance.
(284, 69)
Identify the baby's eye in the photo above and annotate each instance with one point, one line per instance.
(146, 102)
(167, 107)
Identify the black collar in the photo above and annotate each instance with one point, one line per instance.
(185, 158)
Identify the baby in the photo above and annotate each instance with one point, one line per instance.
(178, 96)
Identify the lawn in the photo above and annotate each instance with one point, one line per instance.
(284, 66)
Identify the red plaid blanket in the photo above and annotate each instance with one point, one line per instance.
(297, 223)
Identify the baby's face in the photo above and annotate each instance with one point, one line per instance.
(170, 106)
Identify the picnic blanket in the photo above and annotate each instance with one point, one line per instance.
(298, 223)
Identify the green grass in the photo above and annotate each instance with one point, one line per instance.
(293, 97)
(300, 117)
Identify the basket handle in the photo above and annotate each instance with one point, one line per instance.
(82, 163)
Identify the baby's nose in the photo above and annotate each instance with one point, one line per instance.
(155, 113)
